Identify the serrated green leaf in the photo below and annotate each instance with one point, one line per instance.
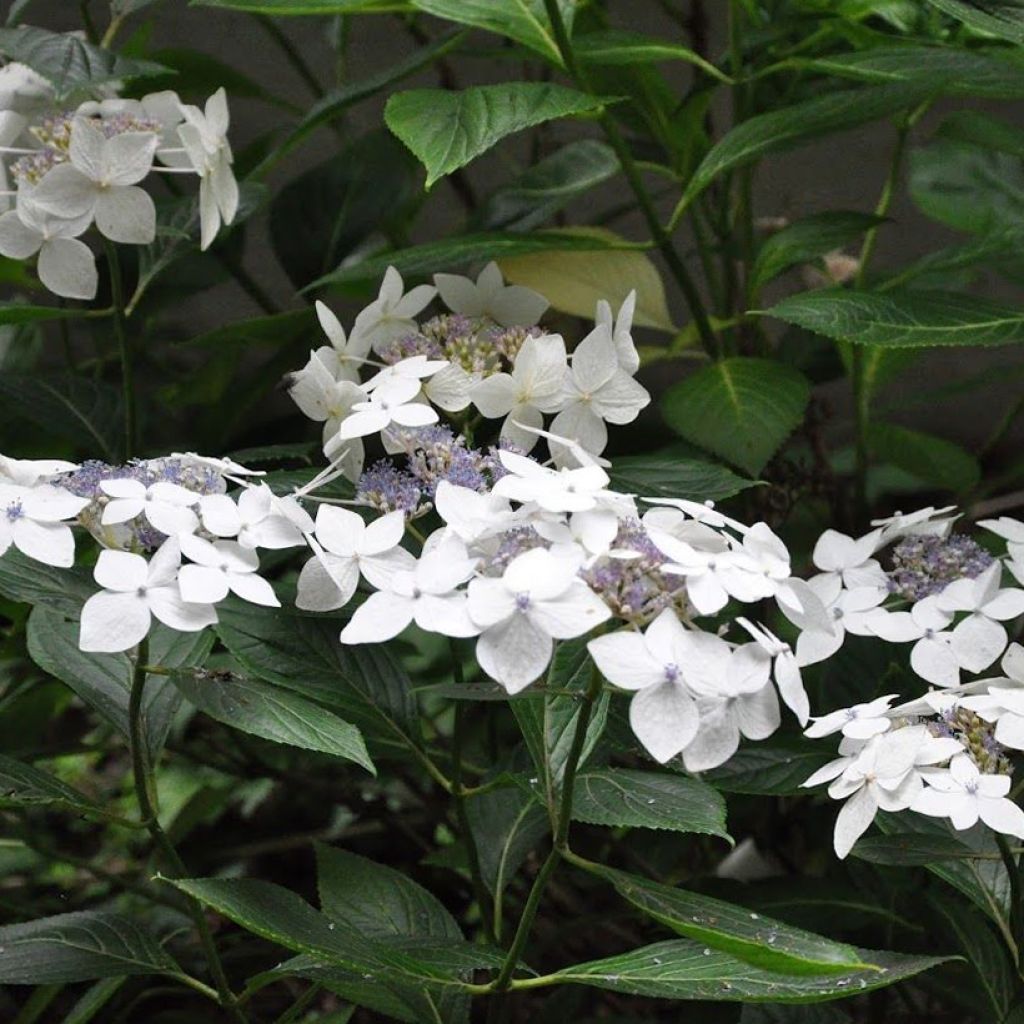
(462, 251)
(931, 459)
(24, 784)
(741, 409)
(620, 796)
(1002, 18)
(763, 942)
(547, 186)
(618, 46)
(524, 21)
(376, 900)
(681, 969)
(910, 850)
(810, 119)
(27, 581)
(103, 681)
(76, 947)
(901, 318)
(272, 713)
(68, 61)
(764, 769)
(808, 239)
(447, 130)
(674, 472)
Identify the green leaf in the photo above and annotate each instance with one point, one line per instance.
(1002, 18)
(24, 784)
(93, 1000)
(910, 850)
(967, 186)
(932, 459)
(103, 681)
(763, 942)
(377, 901)
(765, 769)
(548, 724)
(447, 130)
(462, 251)
(337, 101)
(682, 969)
(806, 240)
(548, 185)
(82, 410)
(281, 8)
(675, 472)
(619, 796)
(273, 713)
(506, 824)
(69, 62)
(366, 684)
(573, 282)
(19, 313)
(956, 71)
(524, 21)
(274, 330)
(27, 581)
(741, 409)
(810, 119)
(901, 318)
(983, 130)
(986, 953)
(321, 216)
(76, 947)
(617, 46)
(994, 247)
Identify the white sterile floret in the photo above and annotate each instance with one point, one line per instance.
(1010, 529)
(470, 515)
(204, 136)
(391, 316)
(426, 594)
(932, 656)
(735, 697)
(565, 490)
(713, 574)
(621, 327)
(703, 512)
(963, 795)
(539, 597)
(859, 722)
(1005, 707)
(847, 611)
(32, 519)
(787, 675)
(24, 91)
(227, 467)
(221, 567)
(394, 401)
(120, 615)
(100, 180)
(346, 356)
(259, 519)
(168, 507)
(979, 638)
(534, 387)
(66, 264)
(29, 472)
(507, 304)
(884, 774)
(595, 391)
(934, 521)
(850, 559)
(347, 547)
(663, 712)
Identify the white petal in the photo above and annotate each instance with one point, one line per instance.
(664, 719)
(624, 659)
(1002, 815)
(18, 241)
(813, 646)
(113, 622)
(621, 399)
(977, 641)
(166, 604)
(65, 192)
(171, 519)
(576, 612)
(250, 587)
(380, 617)
(853, 820)
(414, 414)
(494, 396)
(758, 714)
(201, 584)
(717, 739)
(49, 543)
(220, 515)
(120, 570)
(934, 661)
(446, 614)
(326, 582)
(68, 268)
(126, 214)
(514, 652)
(791, 687)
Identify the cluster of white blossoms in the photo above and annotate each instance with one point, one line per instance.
(64, 170)
(516, 548)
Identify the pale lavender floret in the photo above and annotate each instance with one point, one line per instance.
(513, 543)
(924, 565)
(388, 489)
(435, 453)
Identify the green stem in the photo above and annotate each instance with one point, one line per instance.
(560, 839)
(302, 1003)
(461, 812)
(1016, 899)
(144, 787)
(632, 173)
(124, 349)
